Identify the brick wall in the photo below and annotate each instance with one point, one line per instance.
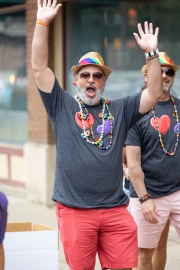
(39, 127)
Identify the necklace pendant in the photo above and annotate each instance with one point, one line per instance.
(102, 115)
(98, 141)
(177, 128)
(86, 134)
(110, 117)
(82, 116)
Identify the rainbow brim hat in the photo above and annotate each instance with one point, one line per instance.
(91, 58)
(164, 60)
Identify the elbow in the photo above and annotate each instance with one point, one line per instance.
(33, 66)
(38, 66)
(37, 70)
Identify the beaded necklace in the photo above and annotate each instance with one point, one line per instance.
(86, 116)
(159, 132)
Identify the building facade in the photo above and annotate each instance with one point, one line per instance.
(27, 149)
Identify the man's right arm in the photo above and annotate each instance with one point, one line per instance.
(43, 75)
(133, 154)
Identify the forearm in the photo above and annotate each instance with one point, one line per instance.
(137, 178)
(43, 75)
(154, 78)
(40, 48)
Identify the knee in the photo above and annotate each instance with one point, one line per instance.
(145, 254)
(161, 247)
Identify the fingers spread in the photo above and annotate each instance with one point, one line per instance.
(146, 28)
(140, 29)
(49, 3)
(44, 3)
(156, 31)
(54, 3)
(39, 3)
(136, 37)
(150, 28)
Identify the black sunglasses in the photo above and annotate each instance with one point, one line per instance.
(169, 72)
(86, 75)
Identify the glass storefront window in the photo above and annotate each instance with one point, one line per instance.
(107, 27)
(13, 79)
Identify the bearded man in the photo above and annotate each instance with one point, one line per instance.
(153, 156)
(90, 132)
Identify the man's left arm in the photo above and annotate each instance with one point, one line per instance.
(148, 42)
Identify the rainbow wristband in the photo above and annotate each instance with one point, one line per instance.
(42, 23)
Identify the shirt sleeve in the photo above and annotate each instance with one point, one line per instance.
(54, 101)
(132, 114)
(134, 136)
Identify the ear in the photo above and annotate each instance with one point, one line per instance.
(145, 77)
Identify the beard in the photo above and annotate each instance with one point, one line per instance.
(89, 101)
(166, 88)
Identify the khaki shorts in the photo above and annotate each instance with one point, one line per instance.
(168, 207)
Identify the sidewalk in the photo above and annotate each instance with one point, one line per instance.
(20, 210)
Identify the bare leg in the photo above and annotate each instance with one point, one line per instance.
(1, 257)
(145, 259)
(159, 255)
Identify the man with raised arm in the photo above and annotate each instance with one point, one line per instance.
(90, 132)
(153, 154)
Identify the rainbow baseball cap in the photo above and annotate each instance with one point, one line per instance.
(91, 58)
(164, 60)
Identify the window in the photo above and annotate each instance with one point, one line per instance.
(107, 27)
(13, 79)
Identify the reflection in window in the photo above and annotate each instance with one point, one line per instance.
(13, 79)
(107, 27)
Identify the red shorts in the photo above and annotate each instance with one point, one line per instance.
(110, 232)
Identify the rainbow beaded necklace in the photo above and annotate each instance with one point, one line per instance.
(159, 132)
(86, 116)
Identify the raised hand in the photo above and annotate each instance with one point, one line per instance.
(146, 40)
(47, 10)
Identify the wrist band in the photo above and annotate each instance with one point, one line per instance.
(154, 52)
(42, 23)
(144, 197)
(152, 58)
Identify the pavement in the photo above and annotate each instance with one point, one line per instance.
(19, 210)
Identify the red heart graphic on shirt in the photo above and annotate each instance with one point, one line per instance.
(86, 122)
(164, 123)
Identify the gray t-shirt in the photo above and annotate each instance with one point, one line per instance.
(162, 172)
(88, 177)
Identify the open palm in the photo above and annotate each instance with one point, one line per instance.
(146, 40)
(47, 10)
